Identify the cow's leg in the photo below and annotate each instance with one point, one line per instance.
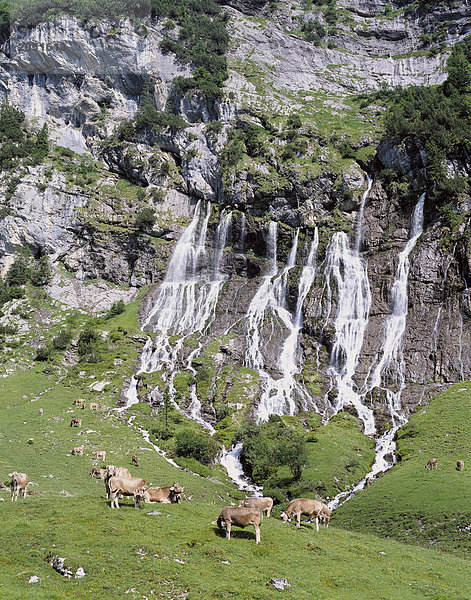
(317, 523)
(298, 520)
(257, 534)
(268, 512)
(228, 531)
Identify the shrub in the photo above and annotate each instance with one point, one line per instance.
(145, 219)
(191, 444)
(87, 345)
(203, 41)
(117, 308)
(44, 353)
(42, 274)
(32, 12)
(62, 340)
(20, 271)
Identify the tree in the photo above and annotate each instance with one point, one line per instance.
(292, 453)
(459, 72)
(19, 272)
(42, 274)
(145, 219)
(192, 444)
(42, 143)
(117, 308)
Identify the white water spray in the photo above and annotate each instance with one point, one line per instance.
(283, 395)
(348, 271)
(231, 461)
(392, 358)
(185, 302)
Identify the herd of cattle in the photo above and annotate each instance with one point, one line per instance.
(119, 483)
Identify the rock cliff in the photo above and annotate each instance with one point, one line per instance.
(85, 80)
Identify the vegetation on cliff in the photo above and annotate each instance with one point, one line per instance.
(437, 119)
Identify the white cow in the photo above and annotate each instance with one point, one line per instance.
(18, 485)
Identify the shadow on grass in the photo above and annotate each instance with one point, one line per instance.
(235, 533)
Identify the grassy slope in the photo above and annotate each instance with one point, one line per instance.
(126, 549)
(339, 455)
(416, 505)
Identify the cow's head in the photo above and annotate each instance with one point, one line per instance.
(139, 494)
(176, 491)
(284, 517)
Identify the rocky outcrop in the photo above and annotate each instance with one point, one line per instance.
(84, 80)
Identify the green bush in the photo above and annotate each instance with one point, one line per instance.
(17, 142)
(88, 345)
(437, 119)
(20, 271)
(117, 308)
(62, 340)
(145, 219)
(41, 274)
(44, 353)
(32, 12)
(203, 41)
(191, 444)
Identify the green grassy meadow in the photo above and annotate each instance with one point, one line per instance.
(427, 507)
(171, 551)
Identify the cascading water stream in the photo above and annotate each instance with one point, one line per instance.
(392, 361)
(348, 271)
(364, 198)
(391, 358)
(283, 395)
(186, 300)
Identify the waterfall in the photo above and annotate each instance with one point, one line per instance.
(348, 271)
(283, 395)
(395, 326)
(364, 197)
(231, 461)
(394, 329)
(185, 302)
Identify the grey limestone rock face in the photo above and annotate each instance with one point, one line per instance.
(84, 81)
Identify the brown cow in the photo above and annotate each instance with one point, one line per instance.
(432, 463)
(95, 472)
(18, 484)
(167, 495)
(263, 504)
(303, 506)
(77, 450)
(41, 412)
(100, 454)
(134, 460)
(126, 486)
(325, 515)
(76, 422)
(460, 465)
(79, 402)
(112, 471)
(95, 405)
(241, 517)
